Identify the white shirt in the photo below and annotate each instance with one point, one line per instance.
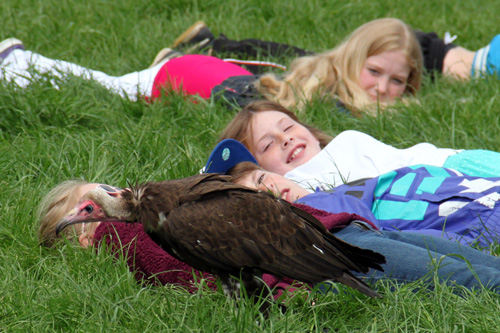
(353, 155)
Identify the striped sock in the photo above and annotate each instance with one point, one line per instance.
(479, 63)
(487, 59)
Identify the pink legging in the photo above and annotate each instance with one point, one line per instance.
(195, 74)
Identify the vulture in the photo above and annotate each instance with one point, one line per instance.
(231, 231)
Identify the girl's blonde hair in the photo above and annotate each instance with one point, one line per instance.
(336, 72)
(240, 128)
(56, 204)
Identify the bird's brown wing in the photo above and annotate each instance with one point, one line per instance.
(238, 228)
(364, 259)
(220, 227)
(147, 200)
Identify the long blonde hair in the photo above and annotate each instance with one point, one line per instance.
(336, 72)
(240, 128)
(56, 204)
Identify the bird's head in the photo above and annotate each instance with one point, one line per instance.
(97, 205)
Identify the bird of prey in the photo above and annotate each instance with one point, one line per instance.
(231, 231)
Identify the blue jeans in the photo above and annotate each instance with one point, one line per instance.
(412, 256)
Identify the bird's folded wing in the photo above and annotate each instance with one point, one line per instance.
(238, 229)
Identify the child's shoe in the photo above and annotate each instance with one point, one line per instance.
(196, 36)
(164, 55)
(9, 45)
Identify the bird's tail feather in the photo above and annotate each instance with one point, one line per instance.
(364, 258)
(356, 283)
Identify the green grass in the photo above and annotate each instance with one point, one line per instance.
(83, 131)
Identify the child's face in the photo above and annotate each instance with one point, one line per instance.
(279, 143)
(384, 76)
(277, 184)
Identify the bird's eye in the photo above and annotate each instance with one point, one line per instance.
(89, 208)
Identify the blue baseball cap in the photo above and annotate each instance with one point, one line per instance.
(226, 155)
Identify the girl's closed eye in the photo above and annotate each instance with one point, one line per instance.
(267, 146)
(374, 71)
(260, 179)
(398, 81)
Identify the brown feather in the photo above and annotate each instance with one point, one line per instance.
(221, 227)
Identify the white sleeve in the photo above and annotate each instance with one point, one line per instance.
(353, 155)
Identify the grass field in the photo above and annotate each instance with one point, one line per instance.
(81, 130)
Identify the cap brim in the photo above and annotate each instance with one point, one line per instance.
(226, 155)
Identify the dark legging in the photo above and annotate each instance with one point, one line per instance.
(433, 49)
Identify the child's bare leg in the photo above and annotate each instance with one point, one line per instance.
(458, 63)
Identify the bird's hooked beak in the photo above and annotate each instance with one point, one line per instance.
(77, 215)
(97, 205)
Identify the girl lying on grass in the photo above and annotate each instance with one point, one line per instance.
(421, 199)
(146, 259)
(410, 257)
(441, 56)
(284, 145)
(378, 63)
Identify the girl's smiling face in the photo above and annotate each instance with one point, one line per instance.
(279, 143)
(385, 76)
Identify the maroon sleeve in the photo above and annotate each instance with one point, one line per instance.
(146, 259)
(151, 264)
(282, 286)
(333, 220)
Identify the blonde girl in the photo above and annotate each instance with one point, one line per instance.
(336, 73)
(359, 74)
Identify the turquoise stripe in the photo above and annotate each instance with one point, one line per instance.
(429, 185)
(437, 171)
(384, 182)
(389, 210)
(432, 183)
(432, 170)
(403, 184)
